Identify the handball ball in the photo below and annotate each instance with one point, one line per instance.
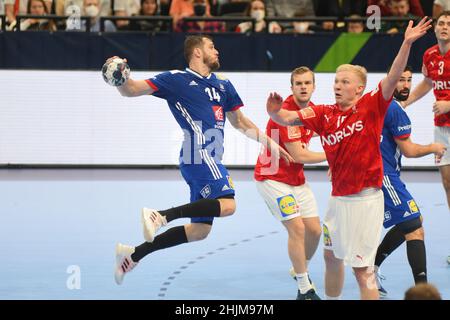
(116, 72)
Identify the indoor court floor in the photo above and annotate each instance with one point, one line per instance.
(59, 227)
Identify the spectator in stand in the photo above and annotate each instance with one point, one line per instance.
(126, 8)
(287, 9)
(91, 8)
(200, 10)
(257, 10)
(148, 8)
(37, 7)
(2, 10)
(416, 8)
(355, 26)
(300, 26)
(340, 9)
(184, 8)
(440, 6)
(65, 7)
(15, 7)
(399, 8)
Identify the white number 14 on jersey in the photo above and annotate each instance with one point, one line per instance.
(214, 95)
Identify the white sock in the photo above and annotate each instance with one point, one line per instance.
(307, 263)
(303, 282)
(332, 298)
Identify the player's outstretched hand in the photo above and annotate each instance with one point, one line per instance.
(439, 150)
(414, 33)
(274, 103)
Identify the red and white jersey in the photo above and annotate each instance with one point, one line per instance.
(291, 174)
(437, 68)
(351, 141)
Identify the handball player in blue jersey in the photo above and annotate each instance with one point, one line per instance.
(401, 210)
(200, 101)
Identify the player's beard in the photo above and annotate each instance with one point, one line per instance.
(401, 95)
(211, 64)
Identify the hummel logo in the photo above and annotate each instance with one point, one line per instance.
(225, 187)
(193, 83)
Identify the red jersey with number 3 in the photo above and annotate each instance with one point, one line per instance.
(437, 68)
(291, 174)
(351, 140)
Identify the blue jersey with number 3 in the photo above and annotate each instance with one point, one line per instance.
(199, 105)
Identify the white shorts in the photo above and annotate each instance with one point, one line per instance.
(442, 135)
(287, 202)
(352, 227)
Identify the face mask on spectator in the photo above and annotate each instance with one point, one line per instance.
(301, 27)
(258, 15)
(92, 10)
(199, 9)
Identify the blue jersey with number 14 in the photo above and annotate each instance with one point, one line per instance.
(199, 105)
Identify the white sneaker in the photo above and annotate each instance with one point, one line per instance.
(152, 221)
(124, 263)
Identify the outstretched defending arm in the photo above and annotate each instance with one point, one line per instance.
(281, 116)
(389, 83)
(413, 150)
(302, 154)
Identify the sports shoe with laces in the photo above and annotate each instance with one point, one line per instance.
(152, 221)
(310, 295)
(124, 263)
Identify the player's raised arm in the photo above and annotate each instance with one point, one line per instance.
(389, 83)
(281, 116)
(126, 86)
(239, 121)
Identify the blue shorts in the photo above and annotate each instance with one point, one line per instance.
(399, 205)
(207, 188)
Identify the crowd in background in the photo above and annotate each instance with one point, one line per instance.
(257, 12)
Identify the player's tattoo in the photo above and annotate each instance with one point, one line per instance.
(296, 122)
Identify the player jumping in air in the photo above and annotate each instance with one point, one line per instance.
(199, 100)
